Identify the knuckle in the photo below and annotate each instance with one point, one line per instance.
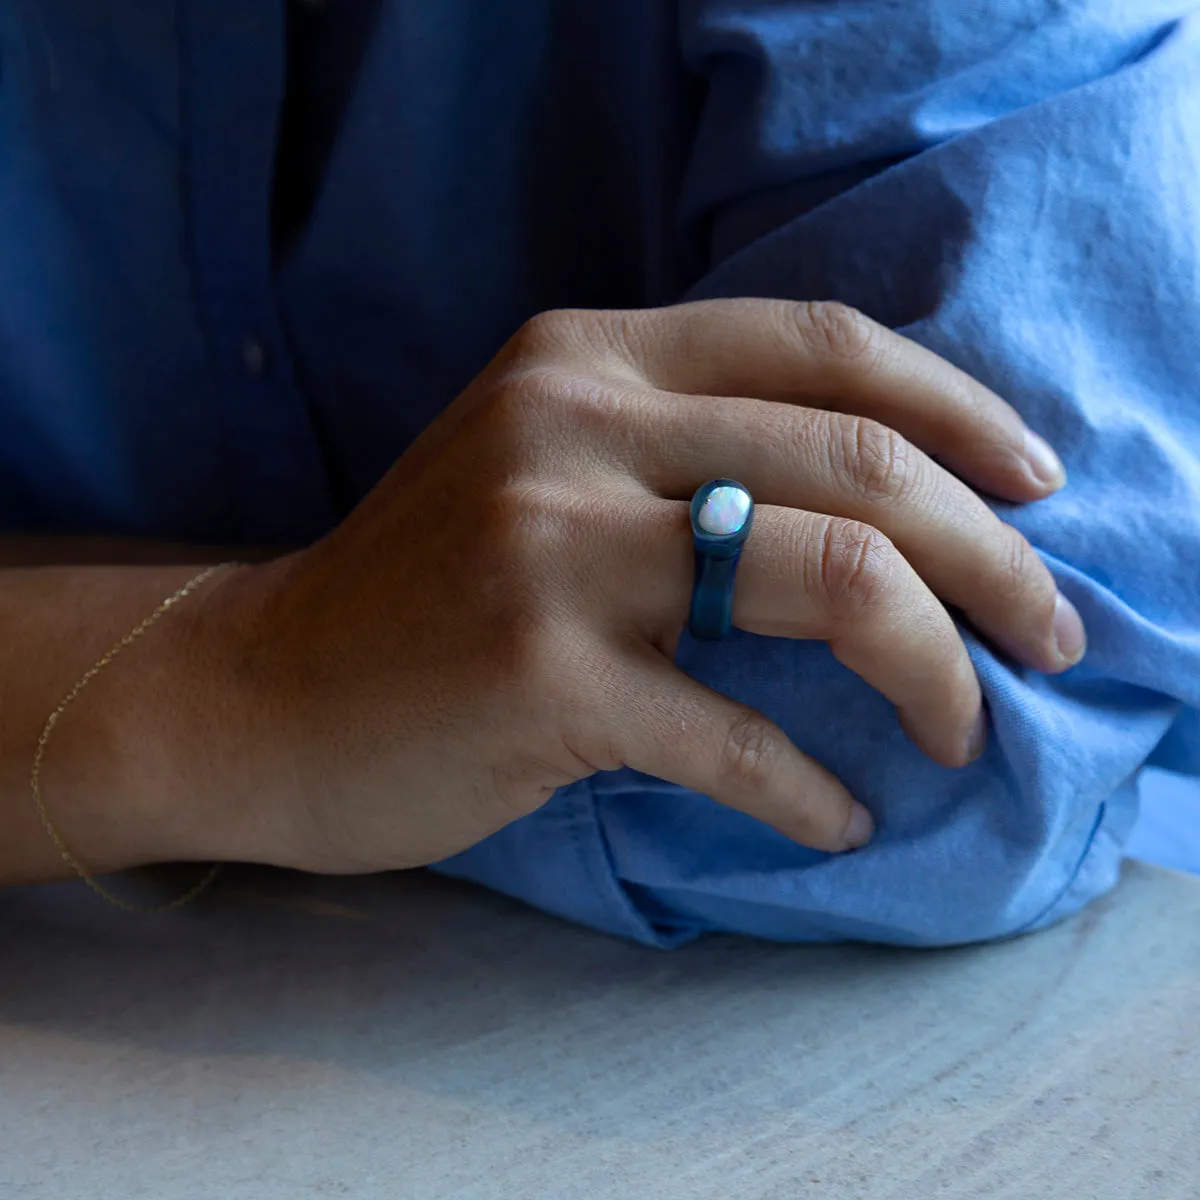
(517, 404)
(529, 410)
(876, 459)
(546, 331)
(526, 520)
(836, 330)
(1018, 565)
(855, 565)
(593, 406)
(750, 755)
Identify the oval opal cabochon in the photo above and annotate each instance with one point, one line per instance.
(724, 511)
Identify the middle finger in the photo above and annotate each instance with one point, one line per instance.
(857, 468)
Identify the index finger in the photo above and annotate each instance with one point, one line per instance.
(665, 724)
(828, 355)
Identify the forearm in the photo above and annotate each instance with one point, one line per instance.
(126, 778)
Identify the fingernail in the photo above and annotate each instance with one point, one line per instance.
(1046, 466)
(860, 828)
(1070, 638)
(977, 738)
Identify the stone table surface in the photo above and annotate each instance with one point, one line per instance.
(409, 1037)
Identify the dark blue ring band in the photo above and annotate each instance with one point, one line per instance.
(711, 615)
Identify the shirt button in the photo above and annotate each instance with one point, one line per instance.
(254, 357)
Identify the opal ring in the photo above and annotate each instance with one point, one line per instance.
(722, 513)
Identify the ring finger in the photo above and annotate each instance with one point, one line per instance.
(810, 576)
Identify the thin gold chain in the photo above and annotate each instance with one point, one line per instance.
(35, 774)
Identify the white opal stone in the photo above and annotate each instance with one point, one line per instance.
(724, 510)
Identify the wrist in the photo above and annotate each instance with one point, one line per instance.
(167, 751)
(224, 738)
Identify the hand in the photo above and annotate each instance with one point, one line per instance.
(498, 618)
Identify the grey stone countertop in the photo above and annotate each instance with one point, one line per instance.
(408, 1037)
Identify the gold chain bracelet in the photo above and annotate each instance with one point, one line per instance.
(35, 774)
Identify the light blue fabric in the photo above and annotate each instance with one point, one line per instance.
(1012, 182)
(1020, 191)
(1167, 832)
